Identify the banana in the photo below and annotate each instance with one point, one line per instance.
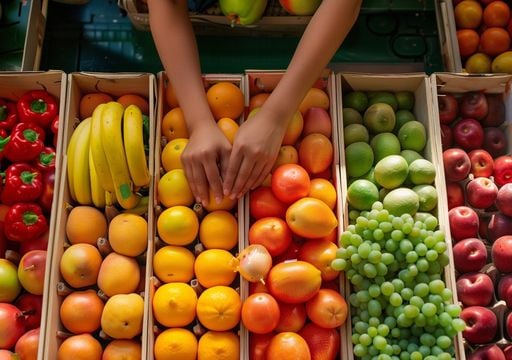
(81, 179)
(134, 146)
(112, 139)
(98, 154)
(97, 191)
(70, 154)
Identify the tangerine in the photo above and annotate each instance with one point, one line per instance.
(219, 230)
(468, 14)
(494, 41)
(213, 267)
(128, 234)
(219, 345)
(225, 100)
(170, 96)
(468, 40)
(219, 307)
(173, 264)
(178, 225)
(174, 304)
(134, 99)
(176, 343)
(171, 154)
(496, 13)
(88, 103)
(85, 224)
(174, 125)
(80, 347)
(229, 128)
(315, 97)
(258, 100)
(80, 311)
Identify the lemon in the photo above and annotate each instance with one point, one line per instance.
(422, 171)
(384, 144)
(427, 197)
(354, 133)
(176, 343)
(413, 136)
(401, 201)
(361, 194)
(358, 158)
(351, 116)
(391, 171)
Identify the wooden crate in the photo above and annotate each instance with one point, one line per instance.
(447, 35)
(79, 84)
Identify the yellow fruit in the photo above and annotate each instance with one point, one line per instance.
(173, 189)
(122, 316)
(178, 225)
(174, 304)
(213, 267)
(174, 264)
(176, 344)
(229, 128)
(218, 308)
(225, 204)
(311, 218)
(324, 190)
(119, 274)
(219, 230)
(478, 63)
(171, 154)
(219, 345)
(128, 234)
(502, 63)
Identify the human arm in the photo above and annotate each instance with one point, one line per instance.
(176, 44)
(259, 139)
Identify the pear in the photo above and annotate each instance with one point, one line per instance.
(243, 12)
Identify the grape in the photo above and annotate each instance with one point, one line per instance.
(374, 321)
(411, 257)
(395, 299)
(380, 342)
(364, 250)
(444, 342)
(422, 265)
(360, 350)
(339, 264)
(428, 309)
(383, 330)
(421, 249)
(365, 339)
(387, 288)
(411, 311)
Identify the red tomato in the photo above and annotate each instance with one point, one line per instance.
(327, 309)
(293, 317)
(258, 344)
(290, 182)
(324, 344)
(260, 313)
(263, 203)
(271, 232)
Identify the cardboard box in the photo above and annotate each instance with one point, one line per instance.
(78, 85)
(424, 111)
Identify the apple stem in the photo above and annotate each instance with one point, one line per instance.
(63, 289)
(194, 283)
(198, 329)
(102, 295)
(199, 210)
(12, 256)
(104, 246)
(63, 334)
(198, 248)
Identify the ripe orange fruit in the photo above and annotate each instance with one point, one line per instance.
(170, 96)
(316, 153)
(219, 230)
(171, 154)
(119, 274)
(174, 125)
(174, 189)
(225, 100)
(311, 218)
(294, 129)
(223, 345)
(229, 128)
(128, 234)
(174, 264)
(468, 40)
(468, 14)
(288, 346)
(174, 304)
(496, 13)
(494, 41)
(225, 204)
(324, 190)
(134, 99)
(122, 316)
(123, 350)
(287, 155)
(178, 225)
(80, 265)
(315, 97)
(213, 267)
(175, 343)
(85, 224)
(80, 311)
(218, 308)
(80, 347)
(257, 100)
(88, 103)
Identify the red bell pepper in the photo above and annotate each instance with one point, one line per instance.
(46, 198)
(24, 222)
(26, 143)
(54, 128)
(23, 183)
(37, 106)
(46, 159)
(8, 114)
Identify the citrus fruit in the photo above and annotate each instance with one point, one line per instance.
(90, 101)
(218, 308)
(258, 100)
(316, 153)
(351, 116)
(405, 100)
(422, 171)
(174, 125)
(128, 234)
(494, 41)
(384, 144)
(385, 97)
(324, 190)
(229, 128)
(175, 343)
(225, 100)
(403, 116)
(286, 346)
(288, 154)
(226, 203)
(80, 347)
(410, 155)
(358, 158)
(401, 201)
(174, 189)
(174, 304)
(502, 63)
(80, 265)
(119, 274)
(315, 97)
(354, 133)
(370, 175)
(391, 171)
(219, 230)
(496, 13)
(379, 117)
(80, 311)
(174, 264)
(122, 316)
(85, 224)
(123, 349)
(134, 99)
(293, 129)
(468, 41)
(170, 95)
(178, 225)
(478, 63)
(427, 197)
(413, 136)
(213, 267)
(357, 100)
(468, 14)
(218, 345)
(361, 194)
(171, 154)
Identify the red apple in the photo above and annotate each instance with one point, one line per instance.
(484, 219)
(496, 114)
(504, 199)
(448, 108)
(31, 271)
(31, 306)
(481, 192)
(475, 289)
(487, 352)
(482, 163)
(481, 324)
(455, 193)
(509, 27)
(505, 289)
(508, 325)
(503, 170)
(301, 8)
(468, 134)
(495, 141)
(507, 350)
(446, 137)
(27, 345)
(501, 253)
(41, 243)
(12, 325)
(457, 164)
(474, 105)
(469, 255)
(463, 223)
(317, 120)
(499, 225)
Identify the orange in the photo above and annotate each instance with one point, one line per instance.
(494, 41)
(123, 350)
(468, 14)
(85, 224)
(229, 128)
(219, 230)
(122, 316)
(134, 99)
(213, 267)
(178, 344)
(80, 311)
(294, 129)
(257, 100)
(218, 345)
(173, 189)
(316, 153)
(311, 218)
(128, 234)
(119, 274)
(478, 63)
(468, 40)
(225, 204)
(496, 13)
(80, 265)
(171, 154)
(287, 155)
(324, 190)
(288, 346)
(170, 96)
(219, 307)
(174, 304)
(225, 100)
(174, 125)
(315, 97)
(174, 264)
(80, 347)
(88, 103)
(178, 225)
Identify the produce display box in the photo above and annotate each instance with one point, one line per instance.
(420, 85)
(447, 36)
(79, 84)
(458, 84)
(154, 328)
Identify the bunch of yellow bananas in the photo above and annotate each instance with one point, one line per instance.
(106, 160)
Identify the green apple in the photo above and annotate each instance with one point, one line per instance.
(10, 286)
(243, 12)
(300, 7)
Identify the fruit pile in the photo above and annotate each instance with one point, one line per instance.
(196, 303)
(483, 31)
(28, 138)
(478, 168)
(294, 308)
(393, 250)
(101, 264)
